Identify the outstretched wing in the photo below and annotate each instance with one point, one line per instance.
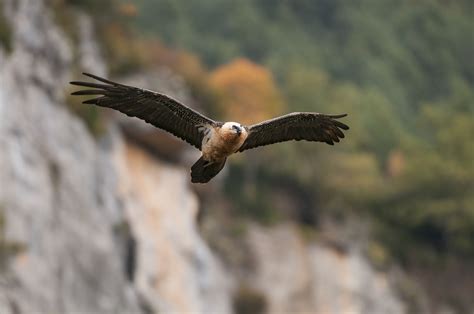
(155, 108)
(308, 126)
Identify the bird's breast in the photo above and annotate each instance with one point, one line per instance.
(221, 143)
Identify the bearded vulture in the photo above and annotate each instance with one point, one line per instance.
(216, 140)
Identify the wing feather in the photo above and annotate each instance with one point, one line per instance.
(308, 126)
(157, 109)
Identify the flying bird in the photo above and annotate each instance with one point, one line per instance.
(216, 140)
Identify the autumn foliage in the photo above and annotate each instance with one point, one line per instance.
(247, 92)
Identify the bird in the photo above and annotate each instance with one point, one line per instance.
(216, 140)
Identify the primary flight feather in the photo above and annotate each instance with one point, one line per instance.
(216, 140)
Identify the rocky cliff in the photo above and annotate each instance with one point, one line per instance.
(298, 276)
(106, 227)
(103, 226)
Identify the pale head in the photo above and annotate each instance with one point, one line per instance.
(233, 127)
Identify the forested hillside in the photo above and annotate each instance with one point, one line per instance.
(403, 71)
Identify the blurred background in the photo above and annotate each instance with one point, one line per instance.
(97, 212)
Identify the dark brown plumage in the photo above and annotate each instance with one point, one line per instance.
(308, 126)
(158, 109)
(216, 140)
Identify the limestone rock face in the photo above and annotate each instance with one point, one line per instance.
(55, 182)
(299, 277)
(66, 196)
(173, 262)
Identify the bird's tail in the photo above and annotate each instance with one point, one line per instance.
(203, 171)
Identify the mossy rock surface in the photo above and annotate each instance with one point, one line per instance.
(6, 38)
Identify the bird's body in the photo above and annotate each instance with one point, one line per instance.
(216, 140)
(223, 141)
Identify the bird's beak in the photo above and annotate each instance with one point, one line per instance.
(237, 129)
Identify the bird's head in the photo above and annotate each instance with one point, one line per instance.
(233, 128)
